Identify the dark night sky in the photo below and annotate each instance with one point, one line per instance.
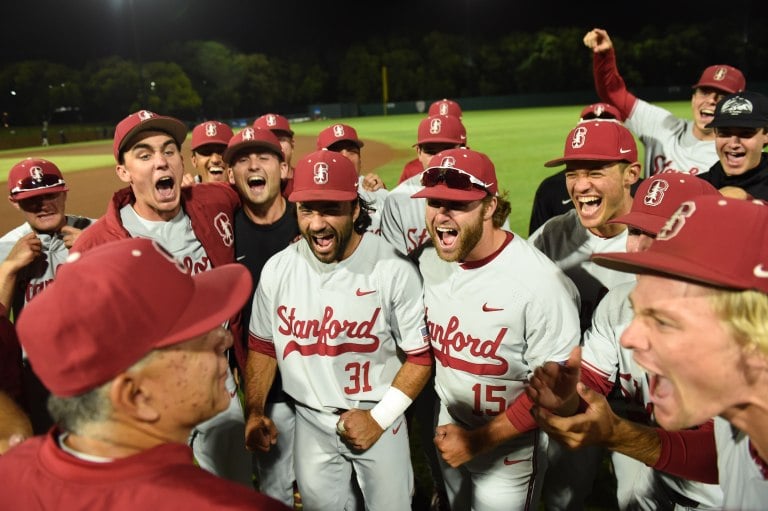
(74, 31)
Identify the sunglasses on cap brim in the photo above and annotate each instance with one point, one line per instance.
(29, 184)
(452, 177)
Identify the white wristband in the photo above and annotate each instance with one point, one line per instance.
(392, 405)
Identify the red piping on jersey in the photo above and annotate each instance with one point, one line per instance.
(471, 265)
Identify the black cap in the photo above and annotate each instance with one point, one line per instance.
(744, 109)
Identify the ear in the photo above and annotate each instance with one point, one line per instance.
(632, 173)
(131, 396)
(490, 208)
(356, 211)
(123, 174)
(284, 170)
(14, 203)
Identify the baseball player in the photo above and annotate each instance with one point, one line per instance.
(281, 127)
(699, 330)
(343, 139)
(133, 350)
(32, 252)
(209, 140)
(496, 307)
(417, 165)
(195, 224)
(606, 366)
(402, 218)
(671, 144)
(337, 347)
(741, 134)
(551, 197)
(264, 225)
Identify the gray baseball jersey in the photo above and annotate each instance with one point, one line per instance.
(490, 324)
(669, 142)
(744, 484)
(376, 201)
(638, 485)
(403, 223)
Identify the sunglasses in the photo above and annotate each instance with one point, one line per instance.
(30, 183)
(453, 178)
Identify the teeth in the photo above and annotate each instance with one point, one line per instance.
(446, 229)
(216, 170)
(254, 181)
(586, 200)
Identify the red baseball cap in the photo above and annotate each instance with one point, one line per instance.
(139, 298)
(253, 138)
(461, 175)
(598, 140)
(210, 132)
(274, 122)
(34, 176)
(710, 240)
(659, 196)
(600, 111)
(337, 133)
(445, 107)
(324, 176)
(441, 129)
(144, 120)
(723, 78)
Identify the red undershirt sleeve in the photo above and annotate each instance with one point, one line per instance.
(609, 84)
(423, 359)
(519, 414)
(690, 453)
(259, 345)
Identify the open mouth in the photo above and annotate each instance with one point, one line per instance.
(734, 158)
(216, 171)
(164, 187)
(447, 236)
(256, 183)
(589, 206)
(707, 115)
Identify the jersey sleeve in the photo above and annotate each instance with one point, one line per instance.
(392, 223)
(407, 315)
(262, 311)
(609, 84)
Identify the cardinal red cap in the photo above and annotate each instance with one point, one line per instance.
(710, 240)
(111, 306)
(598, 140)
(210, 132)
(445, 107)
(250, 138)
(441, 129)
(600, 111)
(324, 176)
(461, 175)
(659, 196)
(144, 120)
(274, 122)
(723, 78)
(34, 176)
(337, 133)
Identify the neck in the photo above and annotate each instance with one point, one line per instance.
(266, 214)
(752, 419)
(113, 439)
(489, 243)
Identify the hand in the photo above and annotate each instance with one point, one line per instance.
(70, 235)
(372, 182)
(553, 385)
(360, 429)
(455, 444)
(596, 426)
(260, 433)
(598, 40)
(27, 249)
(188, 180)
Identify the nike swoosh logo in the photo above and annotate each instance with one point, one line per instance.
(508, 461)
(360, 292)
(566, 201)
(490, 309)
(760, 272)
(240, 258)
(232, 394)
(624, 151)
(395, 430)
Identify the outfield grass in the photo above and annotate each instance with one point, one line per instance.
(518, 141)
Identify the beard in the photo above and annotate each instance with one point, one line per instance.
(466, 239)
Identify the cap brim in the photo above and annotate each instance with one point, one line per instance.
(736, 123)
(322, 195)
(582, 157)
(718, 86)
(173, 127)
(38, 191)
(209, 141)
(219, 294)
(647, 223)
(442, 192)
(439, 141)
(230, 152)
(666, 265)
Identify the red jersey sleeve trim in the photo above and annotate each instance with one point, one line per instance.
(519, 414)
(690, 453)
(422, 359)
(260, 345)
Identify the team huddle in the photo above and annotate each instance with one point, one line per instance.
(267, 334)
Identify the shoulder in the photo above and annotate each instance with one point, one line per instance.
(208, 192)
